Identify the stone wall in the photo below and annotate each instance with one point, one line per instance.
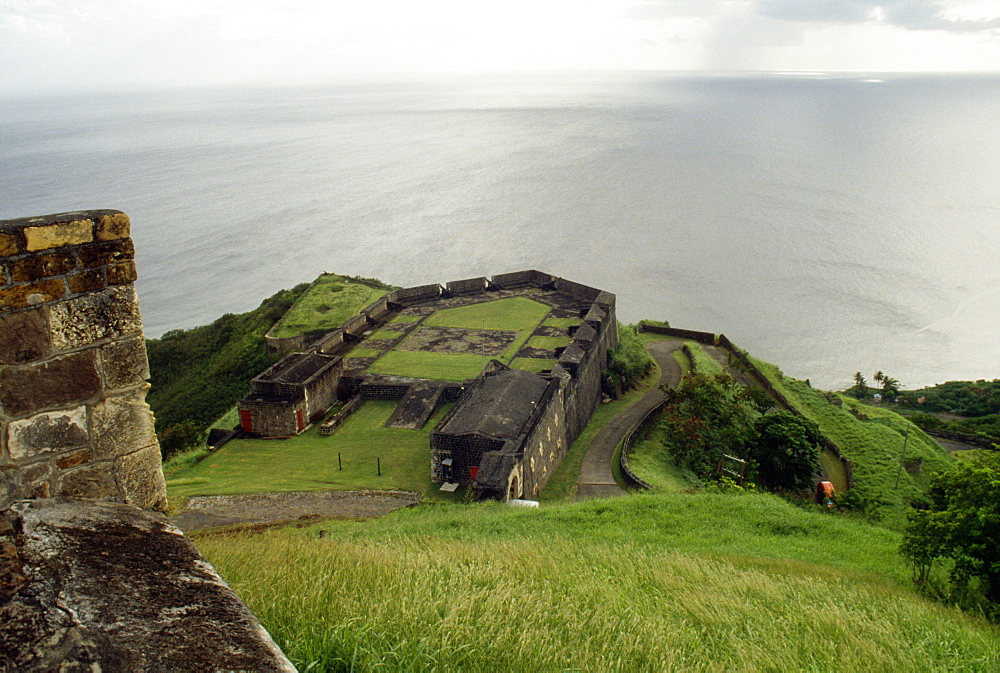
(73, 370)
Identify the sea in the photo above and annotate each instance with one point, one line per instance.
(829, 223)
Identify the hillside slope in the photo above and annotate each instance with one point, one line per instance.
(649, 582)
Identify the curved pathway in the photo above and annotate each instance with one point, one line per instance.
(596, 478)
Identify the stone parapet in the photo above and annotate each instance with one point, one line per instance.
(73, 368)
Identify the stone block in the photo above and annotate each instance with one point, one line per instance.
(91, 482)
(22, 296)
(10, 244)
(122, 424)
(113, 227)
(24, 336)
(119, 274)
(125, 363)
(51, 431)
(90, 280)
(104, 253)
(83, 320)
(58, 382)
(140, 478)
(74, 459)
(59, 234)
(35, 267)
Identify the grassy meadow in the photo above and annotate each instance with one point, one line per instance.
(645, 583)
(308, 462)
(329, 301)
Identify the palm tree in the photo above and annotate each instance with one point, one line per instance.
(879, 376)
(890, 387)
(860, 386)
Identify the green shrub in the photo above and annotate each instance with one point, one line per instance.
(627, 364)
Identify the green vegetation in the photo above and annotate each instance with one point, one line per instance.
(549, 342)
(514, 313)
(563, 322)
(422, 365)
(198, 374)
(363, 353)
(963, 398)
(987, 427)
(628, 363)
(532, 364)
(626, 584)
(330, 300)
(961, 524)
(385, 335)
(873, 439)
(702, 362)
(308, 462)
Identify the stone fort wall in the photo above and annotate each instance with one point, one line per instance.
(73, 370)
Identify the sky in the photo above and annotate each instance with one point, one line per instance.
(109, 44)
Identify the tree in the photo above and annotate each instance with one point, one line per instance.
(961, 523)
(785, 450)
(890, 387)
(860, 388)
(705, 417)
(878, 376)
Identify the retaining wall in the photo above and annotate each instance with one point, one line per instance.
(73, 369)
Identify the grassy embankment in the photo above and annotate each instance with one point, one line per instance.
(330, 300)
(874, 441)
(651, 582)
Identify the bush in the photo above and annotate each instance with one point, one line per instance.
(628, 364)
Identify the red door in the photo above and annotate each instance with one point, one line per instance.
(246, 422)
(298, 419)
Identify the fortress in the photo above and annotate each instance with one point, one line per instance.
(510, 425)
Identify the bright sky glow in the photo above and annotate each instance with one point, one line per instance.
(52, 44)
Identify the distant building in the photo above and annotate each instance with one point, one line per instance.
(290, 395)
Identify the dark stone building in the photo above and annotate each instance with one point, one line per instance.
(290, 395)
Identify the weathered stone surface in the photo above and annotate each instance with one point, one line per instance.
(125, 363)
(73, 459)
(121, 273)
(10, 244)
(24, 337)
(107, 252)
(16, 297)
(88, 281)
(51, 431)
(83, 320)
(112, 587)
(112, 227)
(140, 478)
(121, 424)
(53, 383)
(93, 482)
(59, 234)
(35, 267)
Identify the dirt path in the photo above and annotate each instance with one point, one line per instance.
(216, 511)
(596, 477)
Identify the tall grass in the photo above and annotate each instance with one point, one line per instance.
(631, 584)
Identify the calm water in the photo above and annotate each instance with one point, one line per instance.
(827, 224)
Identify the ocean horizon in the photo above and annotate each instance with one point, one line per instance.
(827, 223)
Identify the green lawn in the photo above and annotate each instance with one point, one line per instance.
(385, 335)
(563, 322)
(549, 342)
(364, 353)
(421, 365)
(404, 319)
(327, 304)
(308, 462)
(513, 313)
(532, 364)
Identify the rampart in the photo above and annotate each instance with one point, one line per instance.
(73, 370)
(90, 579)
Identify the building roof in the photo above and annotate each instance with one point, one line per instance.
(297, 368)
(498, 406)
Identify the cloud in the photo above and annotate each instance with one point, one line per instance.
(960, 16)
